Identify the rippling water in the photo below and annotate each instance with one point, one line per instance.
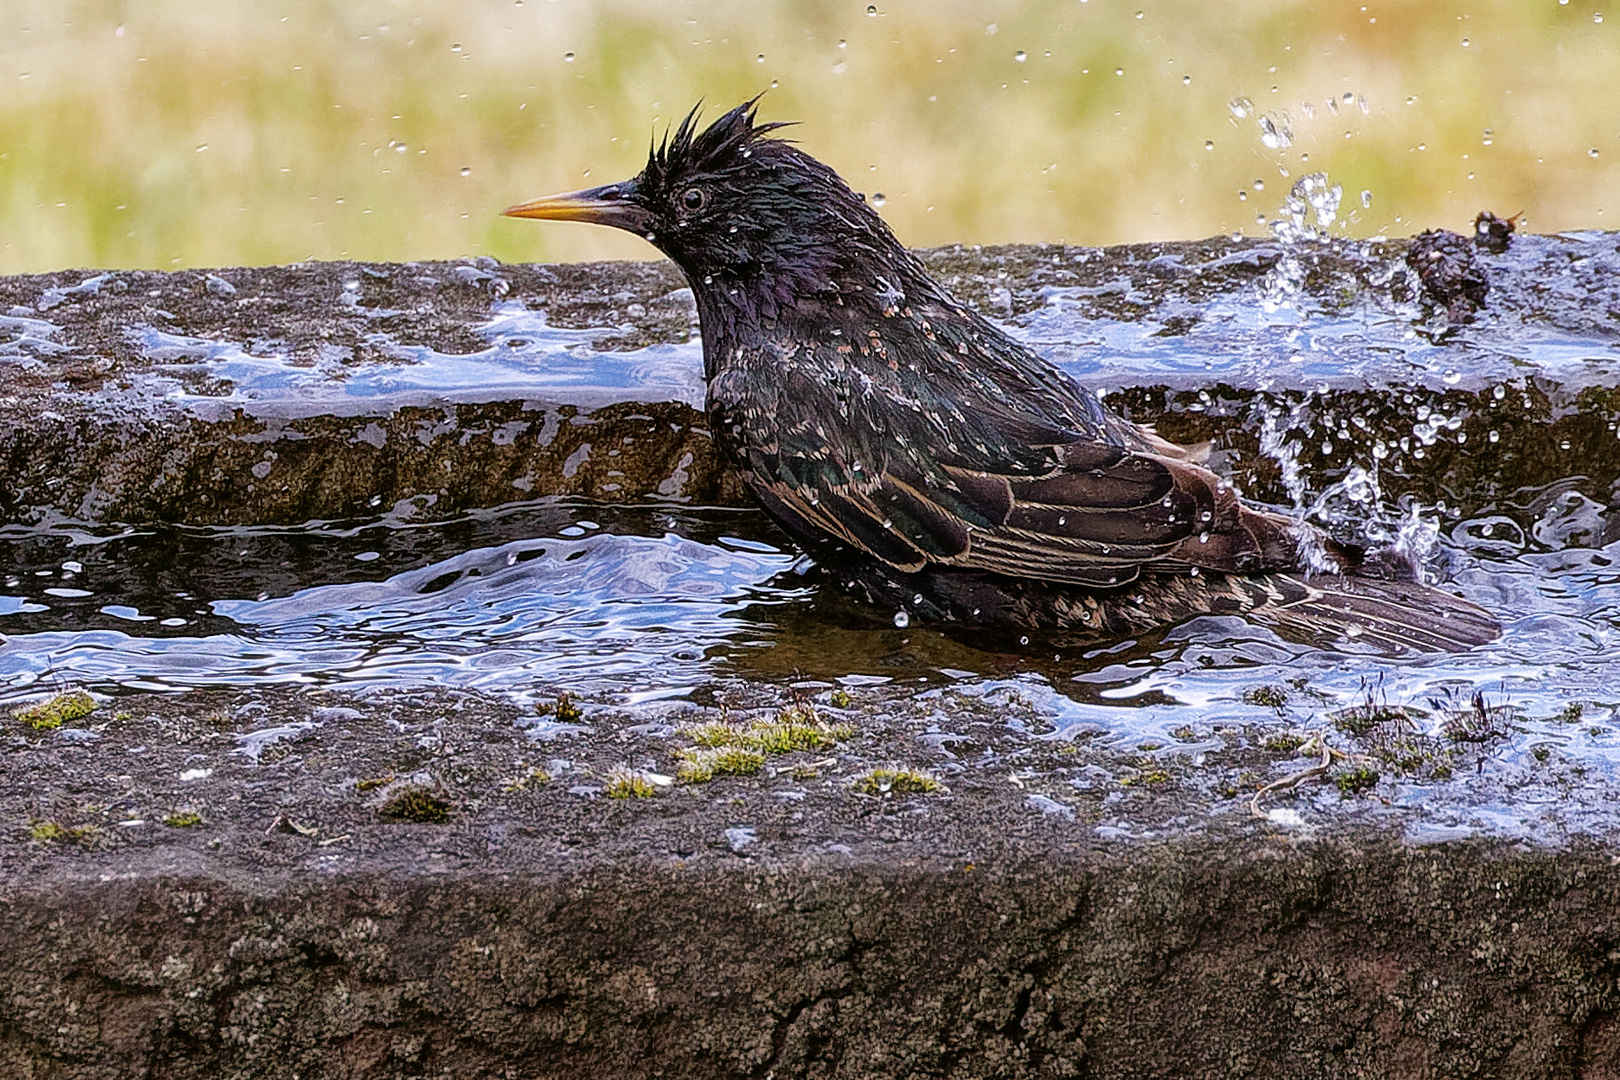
(641, 605)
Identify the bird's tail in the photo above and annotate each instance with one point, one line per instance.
(1392, 616)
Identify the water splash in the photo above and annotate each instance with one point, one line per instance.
(1310, 209)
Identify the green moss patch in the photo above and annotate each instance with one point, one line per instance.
(796, 728)
(565, 709)
(54, 832)
(1284, 743)
(629, 784)
(1270, 697)
(186, 819)
(417, 805)
(59, 710)
(1353, 782)
(705, 763)
(896, 782)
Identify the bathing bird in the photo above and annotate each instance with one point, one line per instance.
(938, 467)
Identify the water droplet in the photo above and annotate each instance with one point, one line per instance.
(1209, 144)
(568, 57)
(871, 11)
(1486, 140)
(1186, 80)
(760, 58)
(1411, 101)
(902, 620)
(466, 171)
(1020, 56)
(455, 48)
(1024, 640)
(1275, 135)
(1465, 43)
(1592, 152)
(1366, 199)
(1119, 71)
(842, 44)
(1597, 16)
(878, 198)
(1259, 185)
(1243, 196)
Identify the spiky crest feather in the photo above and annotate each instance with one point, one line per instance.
(689, 150)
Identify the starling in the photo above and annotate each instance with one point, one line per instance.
(939, 468)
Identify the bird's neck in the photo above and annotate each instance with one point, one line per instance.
(747, 305)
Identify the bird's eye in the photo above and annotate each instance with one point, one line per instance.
(693, 199)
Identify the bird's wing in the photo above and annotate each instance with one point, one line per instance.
(1097, 517)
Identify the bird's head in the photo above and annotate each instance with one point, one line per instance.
(754, 221)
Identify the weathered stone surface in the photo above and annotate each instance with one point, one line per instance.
(545, 931)
(782, 924)
(93, 427)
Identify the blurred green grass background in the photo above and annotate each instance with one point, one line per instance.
(166, 133)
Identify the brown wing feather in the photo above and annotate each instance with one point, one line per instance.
(1099, 522)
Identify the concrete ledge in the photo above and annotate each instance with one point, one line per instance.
(196, 894)
(1356, 957)
(332, 391)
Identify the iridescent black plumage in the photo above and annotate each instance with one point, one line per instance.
(940, 467)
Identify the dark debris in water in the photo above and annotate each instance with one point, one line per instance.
(1452, 277)
(1493, 233)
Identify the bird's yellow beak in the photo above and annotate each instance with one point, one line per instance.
(609, 205)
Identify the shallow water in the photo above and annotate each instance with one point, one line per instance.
(639, 606)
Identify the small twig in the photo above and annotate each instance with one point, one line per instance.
(1288, 783)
